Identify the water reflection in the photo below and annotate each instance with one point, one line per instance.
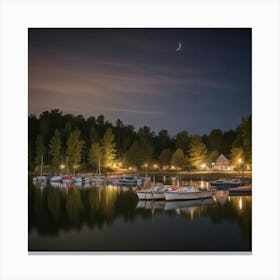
(57, 207)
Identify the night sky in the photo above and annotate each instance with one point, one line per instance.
(137, 75)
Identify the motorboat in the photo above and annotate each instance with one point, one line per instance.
(186, 193)
(128, 180)
(81, 180)
(223, 183)
(241, 190)
(40, 179)
(56, 179)
(159, 190)
(155, 192)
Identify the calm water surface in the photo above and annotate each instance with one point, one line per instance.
(108, 218)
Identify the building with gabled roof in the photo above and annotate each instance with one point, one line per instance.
(222, 163)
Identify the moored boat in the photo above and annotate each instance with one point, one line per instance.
(241, 190)
(56, 179)
(98, 179)
(186, 193)
(223, 183)
(128, 180)
(155, 192)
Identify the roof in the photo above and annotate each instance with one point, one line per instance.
(221, 158)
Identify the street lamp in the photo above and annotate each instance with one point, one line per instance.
(62, 166)
(202, 165)
(146, 166)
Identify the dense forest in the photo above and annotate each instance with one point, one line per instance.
(85, 143)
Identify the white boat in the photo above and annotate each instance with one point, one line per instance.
(86, 180)
(56, 179)
(98, 179)
(187, 192)
(141, 194)
(41, 178)
(159, 190)
(128, 180)
(77, 179)
(154, 192)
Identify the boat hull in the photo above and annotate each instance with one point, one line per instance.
(158, 195)
(180, 195)
(56, 179)
(141, 195)
(149, 196)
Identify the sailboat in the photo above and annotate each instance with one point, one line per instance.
(41, 178)
(98, 178)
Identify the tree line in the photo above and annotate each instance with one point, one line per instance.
(87, 143)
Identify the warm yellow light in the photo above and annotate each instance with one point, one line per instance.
(62, 166)
(172, 167)
(120, 164)
(240, 203)
(155, 166)
(228, 168)
(145, 165)
(202, 165)
(240, 160)
(129, 168)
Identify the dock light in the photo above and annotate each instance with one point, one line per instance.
(155, 166)
(146, 165)
(129, 168)
(62, 166)
(172, 167)
(202, 165)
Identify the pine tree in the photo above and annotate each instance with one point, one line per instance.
(197, 151)
(55, 149)
(95, 154)
(108, 148)
(74, 148)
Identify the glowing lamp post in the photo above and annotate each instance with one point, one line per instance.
(146, 166)
(202, 166)
(62, 166)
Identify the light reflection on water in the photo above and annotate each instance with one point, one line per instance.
(63, 209)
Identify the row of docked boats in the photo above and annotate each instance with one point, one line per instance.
(171, 193)
(123, 180)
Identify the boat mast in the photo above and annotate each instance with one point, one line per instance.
(41, 168)
(99, 171)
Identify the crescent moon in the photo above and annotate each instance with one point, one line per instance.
(179, 47)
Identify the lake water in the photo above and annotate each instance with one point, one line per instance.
(108, 218)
